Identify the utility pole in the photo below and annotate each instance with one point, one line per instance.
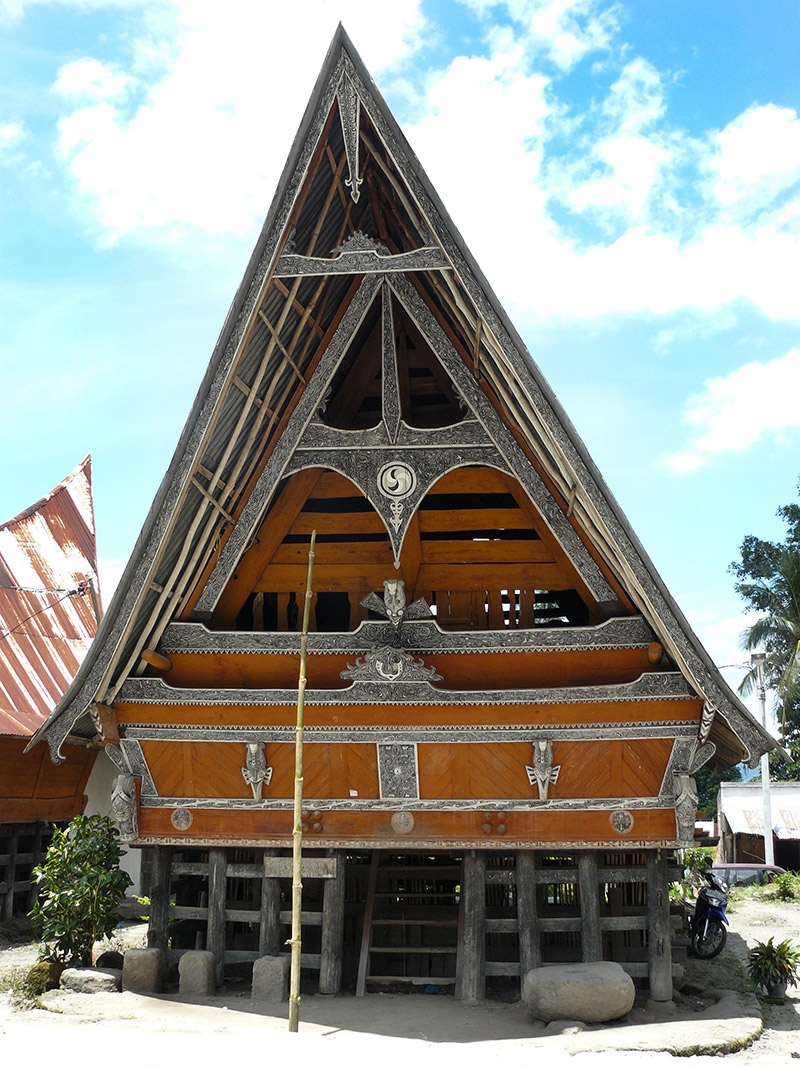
(758, 659)
(297, 832)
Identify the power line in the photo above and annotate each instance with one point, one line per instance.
(80, 591)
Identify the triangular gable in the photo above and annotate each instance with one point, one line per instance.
(312, 279)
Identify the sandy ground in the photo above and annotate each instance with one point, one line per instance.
(390, 1029)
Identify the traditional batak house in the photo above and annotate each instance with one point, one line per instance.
(505, 708)
(48, 617)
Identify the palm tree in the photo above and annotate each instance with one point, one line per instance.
(778, 634)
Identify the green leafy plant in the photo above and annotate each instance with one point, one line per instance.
(785, 886)
(770, 965)
(80, 887)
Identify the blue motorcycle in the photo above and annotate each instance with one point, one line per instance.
(707, 931)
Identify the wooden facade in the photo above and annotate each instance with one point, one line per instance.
(504, 710)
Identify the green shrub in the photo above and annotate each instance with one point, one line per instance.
(80, 886)
(785, 886)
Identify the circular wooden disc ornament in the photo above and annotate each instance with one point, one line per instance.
(181, 818)
(402, 822)
(622, 821)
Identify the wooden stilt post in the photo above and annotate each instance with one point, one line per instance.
(591, 939)
(38, 833)
(159, 897)
(11, 871)
(217, 879)
(330, 970)
(297, 832)
(530, 946)
(269, 933)
(659, 932)
(474, 944)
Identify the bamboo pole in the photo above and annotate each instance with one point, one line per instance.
(297, 832)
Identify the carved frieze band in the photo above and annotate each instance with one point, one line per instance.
(656, 686)
(362, 261)
(414, 635)
(390, 383)
(435, 844)
(370, 735)
(413, 803)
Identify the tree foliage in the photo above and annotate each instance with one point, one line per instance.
(708, 782)
(768, 580)
(80, 887)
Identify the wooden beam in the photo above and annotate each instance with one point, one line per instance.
(269, 931)
(591, 939)
(330, 971)
(659, 932)
(473, 946)
(160, 885)
(215, 942)
(530, 945)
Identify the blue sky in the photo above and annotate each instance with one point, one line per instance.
(627, 174)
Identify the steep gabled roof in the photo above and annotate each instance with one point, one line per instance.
(47, 617)
(354, 221)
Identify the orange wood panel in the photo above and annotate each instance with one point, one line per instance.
(482, 551)
(440, 829)
(463, 671)
(678, 711)
(433, 521)
(37, 810)
(35, 776)
(214, 769)
(610, 768)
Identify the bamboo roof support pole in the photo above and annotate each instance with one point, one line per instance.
(297, 832)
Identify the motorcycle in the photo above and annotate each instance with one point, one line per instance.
(707, 933)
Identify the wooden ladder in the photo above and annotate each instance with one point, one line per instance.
(410, 909)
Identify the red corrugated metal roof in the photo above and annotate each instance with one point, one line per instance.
(46, 554)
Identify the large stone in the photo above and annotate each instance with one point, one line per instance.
(590, 992)
(92, 980)
(196, 971)
(143, 970)
(271, 978)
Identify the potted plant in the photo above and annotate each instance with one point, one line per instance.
(773, 967)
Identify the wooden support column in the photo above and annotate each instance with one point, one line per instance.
(330, 969)
(269, 930)
(11, 871)
(530, 944)
(215, 940)
(473, 946)
(159, 897)
(591, 940)
(659, 931)
(36, 852)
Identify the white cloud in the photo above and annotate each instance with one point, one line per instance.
(90, 77)
(205, 147)
(198, 142)
(756, 157)
(563, 30)
(11, 133)
(734, 412)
